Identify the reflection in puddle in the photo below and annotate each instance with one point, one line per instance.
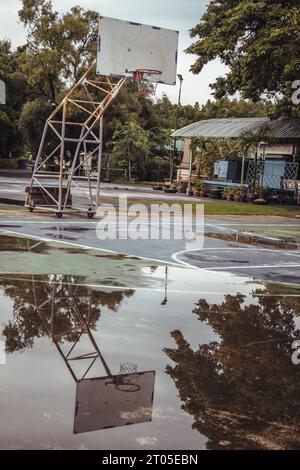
(67, 314)
(243, 391)
(60, 236)
(83, 354)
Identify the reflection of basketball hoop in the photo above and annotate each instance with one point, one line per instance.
(147, 81)
(124, 382)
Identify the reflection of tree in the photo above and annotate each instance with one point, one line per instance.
(26, 325)
(243, 391)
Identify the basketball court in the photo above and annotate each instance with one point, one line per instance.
(118, 344)
(92, 339)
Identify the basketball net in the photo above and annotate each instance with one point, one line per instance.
(147, 81)
(124, 382)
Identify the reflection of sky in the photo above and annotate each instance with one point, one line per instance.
(175, 14)
(38, 412)
(38, 394)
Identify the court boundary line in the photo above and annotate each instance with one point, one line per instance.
(85, 247)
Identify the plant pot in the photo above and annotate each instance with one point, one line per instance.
(170, 190)
(237, 198)
(196, 193)
(181, 188)
(229, 197)
(260, 202)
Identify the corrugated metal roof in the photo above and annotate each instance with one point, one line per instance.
(286, 128)
(234, 127)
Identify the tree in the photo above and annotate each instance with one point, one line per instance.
(259, 41)
(131, 143)
(58, 48)
(242, 389)
(16, 94)
(25, 326)
(32, 121)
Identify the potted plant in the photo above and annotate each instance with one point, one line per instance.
(229, 193)
(252, 194)
(202, 188)
(262, 199)
(243, 196)
(181, 186)
(197, 187)
(237, 196)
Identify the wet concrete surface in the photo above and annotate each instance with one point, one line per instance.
(217, 328)
(220, 345)
(261, 260)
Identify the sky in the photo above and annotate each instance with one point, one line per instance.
(180, 15)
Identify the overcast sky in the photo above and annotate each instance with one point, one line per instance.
(181, 15)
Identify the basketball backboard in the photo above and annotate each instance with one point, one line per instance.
(100, 404)
(125, 47)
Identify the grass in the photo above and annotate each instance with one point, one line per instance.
(220, 207)
(229, 208)
(217, 208)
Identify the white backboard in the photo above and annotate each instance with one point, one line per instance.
(125, 46)
(100, 405)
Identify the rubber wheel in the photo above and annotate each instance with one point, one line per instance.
(90, 216)
(30, 209)
(58, 215)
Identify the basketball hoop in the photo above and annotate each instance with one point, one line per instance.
(147, 81)
(124, 382)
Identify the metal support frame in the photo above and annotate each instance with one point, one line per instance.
(48, 312)
(90, 98)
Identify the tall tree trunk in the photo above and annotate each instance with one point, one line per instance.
(52, 90)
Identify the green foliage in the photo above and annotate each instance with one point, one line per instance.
(10, 139)
(32, 120)
(131, 145)
(258, 40)
(242, 388)
(8, 164)
(58, 48)
(208, 151)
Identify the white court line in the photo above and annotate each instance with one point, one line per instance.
(177, 262)
(274, 266)
(258, 224)
(174, 255)
(278, 251)
(224, 268)
(84, 247)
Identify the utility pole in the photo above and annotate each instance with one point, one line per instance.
(176, 128)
